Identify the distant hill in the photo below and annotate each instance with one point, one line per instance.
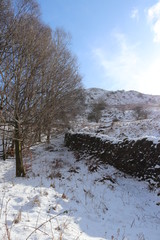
(120, 97)
(120, 114)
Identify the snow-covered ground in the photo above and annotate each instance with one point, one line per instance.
(61, 199)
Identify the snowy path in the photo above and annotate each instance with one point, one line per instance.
(71, 203)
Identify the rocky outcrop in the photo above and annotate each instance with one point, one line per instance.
(140, 158)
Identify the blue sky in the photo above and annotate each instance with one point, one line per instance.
(117, 42)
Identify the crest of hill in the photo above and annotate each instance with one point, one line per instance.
(120, 97)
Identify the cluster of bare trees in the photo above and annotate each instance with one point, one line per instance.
(40, 86)
(96, 110)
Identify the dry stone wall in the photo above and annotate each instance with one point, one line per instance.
(140, 158)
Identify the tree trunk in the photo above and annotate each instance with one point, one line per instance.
(39, 135)
(48, 136)
(4, 148)
(4, 145)
(20, 172)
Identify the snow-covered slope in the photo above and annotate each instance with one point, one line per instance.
(125, 114)
(121, 97)
(62, 200)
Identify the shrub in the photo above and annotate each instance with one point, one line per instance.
(96, 112)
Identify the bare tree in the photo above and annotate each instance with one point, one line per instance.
(63, 90)
(139, 112)
(39, 79)
(96, 111)
(28, 47)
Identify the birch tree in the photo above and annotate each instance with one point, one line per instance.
(63, 92)
(20, 71)
(40, 84)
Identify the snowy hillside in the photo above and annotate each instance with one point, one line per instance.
(123, 114)
(61, 199)
(121, 97)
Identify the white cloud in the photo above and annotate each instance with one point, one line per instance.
(120, 68)
(149, 77)
(135, 14)
(126, 70)
(153, 15)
